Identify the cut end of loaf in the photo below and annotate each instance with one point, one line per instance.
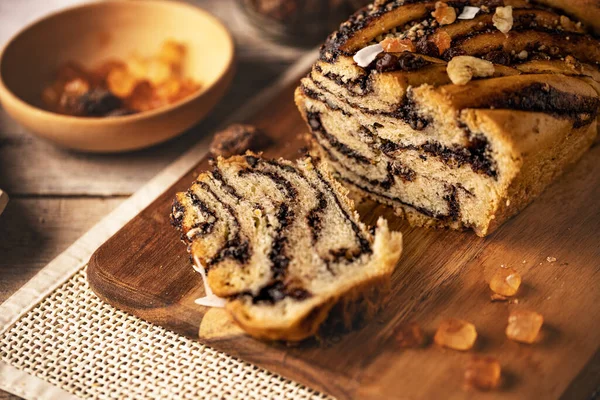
(463, 144)
(283, 244)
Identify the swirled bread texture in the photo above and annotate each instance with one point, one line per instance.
(282, 243)
(459, 123)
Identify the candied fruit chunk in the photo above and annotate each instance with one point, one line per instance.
(505, 282)
(409, 335)
(158, 72)
(395, 45)
(121, 87)
(524, 326)
(172, 52)
(483, 373)
(121, 82)
(455, 334)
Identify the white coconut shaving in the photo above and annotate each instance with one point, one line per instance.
(210, 300)
(366, 56)
(469, 12)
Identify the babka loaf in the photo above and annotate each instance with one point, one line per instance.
(455, 113)
(281, 242)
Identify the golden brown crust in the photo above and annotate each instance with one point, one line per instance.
(587, 11)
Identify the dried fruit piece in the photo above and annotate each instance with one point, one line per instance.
(409, 335)
(444, 14)
(503, 19)
(506, 282)
(158, 72)
(483, 373)
(237, 139)
(442, 40)
(172, 53)
(462, 69)
(395, 45)
(456, 334)
(121, 82)
(524, 326)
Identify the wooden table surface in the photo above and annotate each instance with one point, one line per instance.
(57, 195)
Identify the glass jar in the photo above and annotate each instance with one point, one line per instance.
(299, 22)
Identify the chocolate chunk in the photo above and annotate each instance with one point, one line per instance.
(405, 61)
(498, 57)
(427, 47)
(236, 139)
(387, 63)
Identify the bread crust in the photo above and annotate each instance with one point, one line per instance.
(587, 11)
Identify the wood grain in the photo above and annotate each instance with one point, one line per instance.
(35, 230)
(145, 270)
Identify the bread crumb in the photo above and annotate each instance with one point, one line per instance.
(551, 259)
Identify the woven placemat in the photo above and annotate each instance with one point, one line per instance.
(59, 341)
(88, 348)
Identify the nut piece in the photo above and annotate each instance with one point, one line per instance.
(455, 334)
(462, 69)
(483, 373)
(503, 19)
(236, 139)
(444, 14)
(506, 282)
(567, 24)
(409, 335)
(395, 45)
(524, 326)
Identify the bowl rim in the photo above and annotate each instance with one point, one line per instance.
(9, 95)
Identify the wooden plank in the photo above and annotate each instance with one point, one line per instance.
(441, 274)
(35, 230)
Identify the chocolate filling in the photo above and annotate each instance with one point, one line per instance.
(278, 291)
(542, 97)
(234, 248)
(204, 227)
(314, 120)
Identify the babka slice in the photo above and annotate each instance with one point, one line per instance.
(281, 242)
(456, 113)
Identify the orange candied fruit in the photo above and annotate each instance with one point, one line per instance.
(395, 45)
(455, 334)
(409, 335)
(524, 326)
(506, 282)
(483, 373)
(442, 40)
(136, 84)
(444, 14)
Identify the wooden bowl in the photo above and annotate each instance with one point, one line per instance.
(94, 32)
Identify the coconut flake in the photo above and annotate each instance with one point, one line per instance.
(210, 300)
(469, 12)
(366, 56)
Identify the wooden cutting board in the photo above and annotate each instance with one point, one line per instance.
(144, 269)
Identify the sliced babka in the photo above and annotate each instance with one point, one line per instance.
(456, 113)
(282, 244)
